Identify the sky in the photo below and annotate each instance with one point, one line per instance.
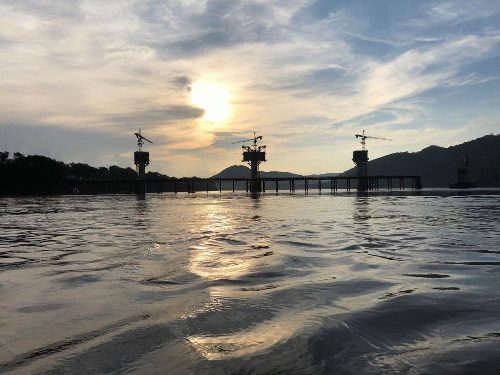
(78, 78)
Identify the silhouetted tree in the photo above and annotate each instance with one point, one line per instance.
(80, 170)
(32, 174)
(116, 172)
(155, 175)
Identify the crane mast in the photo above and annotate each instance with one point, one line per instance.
(141, 158)
(141, 139)
(360, 158)
(363, 139)
(254, 155)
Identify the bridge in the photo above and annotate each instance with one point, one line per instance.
(191, 185)
(255, 155)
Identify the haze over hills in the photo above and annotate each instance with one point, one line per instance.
(437, 165)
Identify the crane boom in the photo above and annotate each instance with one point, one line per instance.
(367, 136)
(246, 140)
(364, 137)
(141, 139)
(254, 139)
(140, 136)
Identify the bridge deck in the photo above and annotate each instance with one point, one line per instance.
(271, 183)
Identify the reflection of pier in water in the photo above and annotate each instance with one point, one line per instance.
(191, 185)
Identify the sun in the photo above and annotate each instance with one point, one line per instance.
(213, 99)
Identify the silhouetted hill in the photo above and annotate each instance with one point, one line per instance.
(242, 171)
(40, 175)
(323, 175)
(234, 171)
(438, 165)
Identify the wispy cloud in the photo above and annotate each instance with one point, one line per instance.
(461, 11)
(292, 68)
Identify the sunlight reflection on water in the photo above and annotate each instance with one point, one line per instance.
(226, 284)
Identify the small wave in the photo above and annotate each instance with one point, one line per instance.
(427, 275)
(70, 342)
(397, 294)
(476, 263)
(300, 244)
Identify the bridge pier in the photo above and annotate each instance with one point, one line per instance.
(140, 187)
(190, 187)
(333, 184)
(416, 183)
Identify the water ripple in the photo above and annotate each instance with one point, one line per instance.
(216, 284)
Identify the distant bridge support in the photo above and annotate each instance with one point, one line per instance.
(140, 187)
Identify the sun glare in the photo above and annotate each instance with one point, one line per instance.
(213, 99)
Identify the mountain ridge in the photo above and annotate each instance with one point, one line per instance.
(438, 166)
(242, 171)
(435, 164)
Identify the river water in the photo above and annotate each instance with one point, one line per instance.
(230, 284)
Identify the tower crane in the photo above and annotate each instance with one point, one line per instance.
(254, 148)
(254, 139)
(141, 158)
(360, 158)
(363, 139)
(141, 139)
(254, 155)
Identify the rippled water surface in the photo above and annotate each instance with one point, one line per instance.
(229, 284)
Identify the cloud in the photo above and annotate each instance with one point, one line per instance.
(416, 71)
(65, 144)
(49, 9)
(183, 82)
(469, 79)
(462, 11)
(300, 72)
(160, 115)
(202, 43)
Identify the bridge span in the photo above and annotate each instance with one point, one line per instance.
(192, 185)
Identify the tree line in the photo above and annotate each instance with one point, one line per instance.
(40, 175)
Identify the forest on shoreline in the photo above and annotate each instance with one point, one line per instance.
(40, 175)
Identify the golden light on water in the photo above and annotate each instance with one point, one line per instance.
(211, 260)
(213, 99)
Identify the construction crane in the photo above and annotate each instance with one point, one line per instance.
(254, 139)
(254, 148)
(360, 158)
(254, 155)
(141, 139)
(363, 139)
(141, 158)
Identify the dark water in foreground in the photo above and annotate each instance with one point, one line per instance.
(227, 284)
